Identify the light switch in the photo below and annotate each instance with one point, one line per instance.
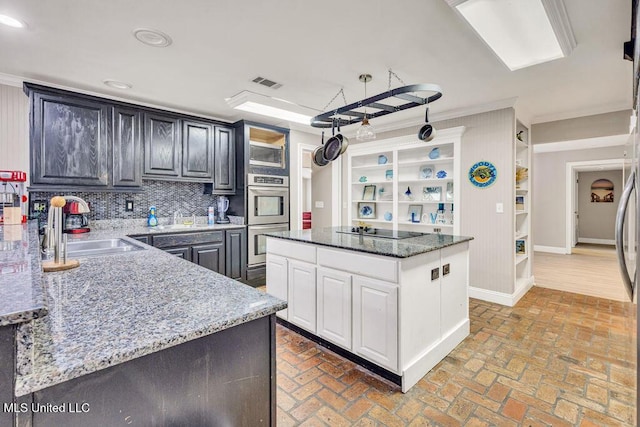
(319, 204)
(499, 208)
(128, 206)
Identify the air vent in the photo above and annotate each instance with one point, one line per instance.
(266, 82)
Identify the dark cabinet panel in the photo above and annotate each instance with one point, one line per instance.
(183, 252)
(197, 150)
(69, 141)
(224, 179)
(210, 256)
(236, 253)
(144, 239)
(161, 145)
(127, 153)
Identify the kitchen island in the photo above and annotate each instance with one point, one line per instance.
(140, 338)
(395, 304)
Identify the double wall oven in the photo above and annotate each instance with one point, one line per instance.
(267, 211)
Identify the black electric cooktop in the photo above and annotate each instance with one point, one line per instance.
(380, 232)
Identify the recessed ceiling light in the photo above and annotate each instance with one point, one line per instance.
(151, 37)
(117, 84)
(11, 22)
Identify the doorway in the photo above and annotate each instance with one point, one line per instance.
(579, 195)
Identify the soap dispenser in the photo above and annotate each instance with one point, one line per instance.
(152, 220)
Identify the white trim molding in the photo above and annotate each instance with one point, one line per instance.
(596, 241)
(581, 144)
(502, 298)
(550, 249)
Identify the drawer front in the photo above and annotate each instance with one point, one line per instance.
(168, 240)
(290, 249)
(374, 266)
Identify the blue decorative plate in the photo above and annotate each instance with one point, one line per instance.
(483, 174)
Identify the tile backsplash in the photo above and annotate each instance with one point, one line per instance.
(166, 196)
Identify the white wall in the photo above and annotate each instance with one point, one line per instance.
(549, 176)
(14, 129)
(598, 220)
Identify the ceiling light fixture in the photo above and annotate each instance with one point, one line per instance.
(271, 107)
(153, 38)
(11, 22)
(365, 131)
(117, 84)
(521, 33)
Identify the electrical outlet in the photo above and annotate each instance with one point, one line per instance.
(128, 206)
(319, 204)
(499, 208)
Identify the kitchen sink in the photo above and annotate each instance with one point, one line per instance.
(91, 248)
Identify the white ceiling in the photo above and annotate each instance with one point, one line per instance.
(313, 49)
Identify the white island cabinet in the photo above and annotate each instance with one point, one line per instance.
(397, 306)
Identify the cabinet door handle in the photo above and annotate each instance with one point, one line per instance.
(446, 269)
(435, 273)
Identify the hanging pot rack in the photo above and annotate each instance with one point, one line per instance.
(335, 117)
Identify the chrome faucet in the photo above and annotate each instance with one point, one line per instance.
(53, 232)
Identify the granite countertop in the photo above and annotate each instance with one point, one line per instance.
(398, 248)
(22, 297)
(116, 308)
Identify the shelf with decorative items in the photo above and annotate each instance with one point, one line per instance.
(522, 208)
(413, 190)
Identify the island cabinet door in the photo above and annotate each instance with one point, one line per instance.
(334, 306)
(375, 321)
(183, 252)
(454, 299)
(277, 283)
(302, 295)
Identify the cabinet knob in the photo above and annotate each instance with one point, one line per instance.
(435, 273)
(446, 269)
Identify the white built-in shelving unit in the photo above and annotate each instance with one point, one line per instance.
(408, 166)
(523, 244)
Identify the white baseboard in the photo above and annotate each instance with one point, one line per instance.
(596, 241)
(502, 298)
(550, 249)
(425, 362)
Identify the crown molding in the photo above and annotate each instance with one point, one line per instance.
(12, 80)
(559, 19)
(581, 144)
(591, 111)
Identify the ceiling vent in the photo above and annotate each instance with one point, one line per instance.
(266, 82)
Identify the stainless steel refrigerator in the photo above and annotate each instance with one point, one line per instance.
(628, 218)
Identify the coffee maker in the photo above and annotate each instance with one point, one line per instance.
(223, 206)
(74, 221)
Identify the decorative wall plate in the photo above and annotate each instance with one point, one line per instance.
(483, 174)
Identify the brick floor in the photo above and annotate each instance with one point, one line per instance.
(555, 359)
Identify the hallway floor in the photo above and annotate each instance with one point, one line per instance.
(556, 358)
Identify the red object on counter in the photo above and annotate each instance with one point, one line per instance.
(15, 181)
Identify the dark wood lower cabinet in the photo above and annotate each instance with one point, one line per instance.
(222, 251)
(184, 252)
(210, 256)
(236, 251)
(224, 379)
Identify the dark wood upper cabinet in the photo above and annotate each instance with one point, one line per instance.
(162, 145)
(127, 152)
(224, 178)
(81, 142)
(197, 150)
(69, 141)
